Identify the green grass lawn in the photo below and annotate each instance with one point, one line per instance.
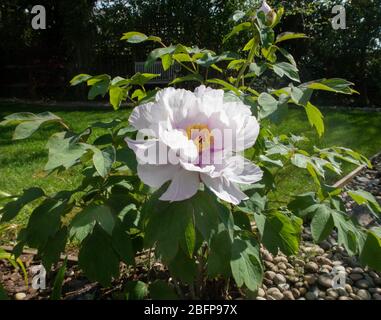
(22, 162)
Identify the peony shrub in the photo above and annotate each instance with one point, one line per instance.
(191, 176)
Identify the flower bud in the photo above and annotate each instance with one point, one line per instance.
(268, 11)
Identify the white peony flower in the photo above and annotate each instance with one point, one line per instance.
(195, 137)
(265, 8)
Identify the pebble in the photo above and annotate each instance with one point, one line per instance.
(362, 284)
(344, 298)
(348, 288)
(356, 276)
(302, 291)
(357, 270)
(325, 281)
(275, 293)
(260, 298)
(261, 292)
(282, 266)
(363, 294)
(332, 293)
(310, 279)
(20, 296)
(288, 295)
(279, 279)
(311, 267)
(270, 275)
(295, 293)
(377, 296)
(311, 295)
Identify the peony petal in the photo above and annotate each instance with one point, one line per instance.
(150, 151)
(180, 145)
(155, 176)
(184, 185)
(240, 170)
(224, 189)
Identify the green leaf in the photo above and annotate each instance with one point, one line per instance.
(220, 254)
(301, 96)
(122, 244)
(246, 264)
(189, 77)
(160, 290)
(64, 150)
(363, 197)
(11, 209)
(134, 37)
(158, 53)
(289, 36)
(104, 159)
(44, 222)
(334, 85)
(183, 267)
(58, 282)
(237, 29)
(142, 78)
(315, 118)
(268, 103)
(84, 221)
(347, 232)
(99, 88)
(322, 223)
(371, 253)
(127, 156)
(97, 259)
(3, 294)
(225, 85)
(80, 78)
(167, 227)
(56, 244)
(136, 290)
(267, 37)
(166, 61)
(117, 95)
(279, 231)
(286, 69)
(28, 123)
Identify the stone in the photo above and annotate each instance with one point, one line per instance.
(260, 298)
(311, 267)
(325, 245)
(325, 281)
(363, 294)
(275, 293)
(358, 270)
(377, 296)
(288, 295)
(20, 296)
(279, 259)
(290, 272)
(332, 293)
(362, 284)
(375, 290)
(268, 282)
(344, 298)
(377, 281)
(374, 275)
(282, 266)
(302, 291)
(355, 276)
(342, 292)
(261, 292)
(295, 293)
(270, 275)
(267, 256)
(279, 279)
(348, 288)
(311, 295)
(310, 279)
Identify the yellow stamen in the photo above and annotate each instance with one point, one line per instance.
(201, 136)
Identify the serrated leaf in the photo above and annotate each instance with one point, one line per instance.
(246, 264)
(279, 231)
